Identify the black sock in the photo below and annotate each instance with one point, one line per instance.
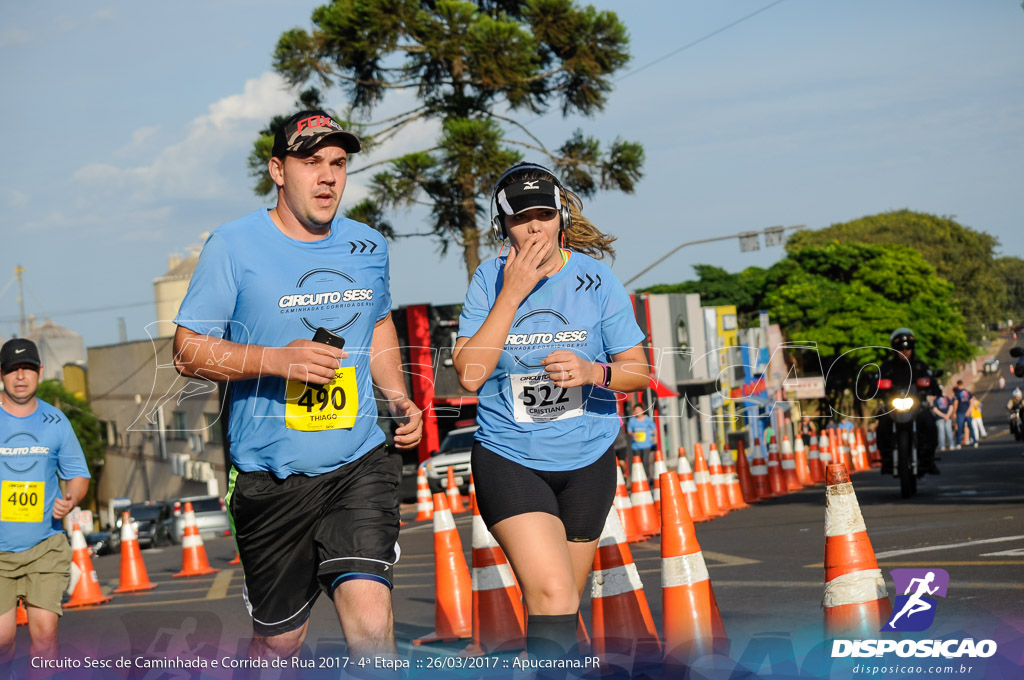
(551, 637)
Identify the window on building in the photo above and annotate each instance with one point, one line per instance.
(179, 425)
(213, 432)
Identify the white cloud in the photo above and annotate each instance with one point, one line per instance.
(15, 36)
(142, 134)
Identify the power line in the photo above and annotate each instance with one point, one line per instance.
(699, 40)
(73, 312)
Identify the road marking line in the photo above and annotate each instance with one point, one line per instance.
(970, 585)
(947, 546)
(723, 560)
(219, 587)
(964, 563)
(1016, 552)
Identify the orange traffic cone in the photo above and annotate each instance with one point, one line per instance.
(498, 620)
(862, 450)
(702, 478)
(424, 502)
(624, 508)
(855, 601)
(788, 461)
(237, 559)
(620, 618)
(814, 465)
(845, 455)
(133, 570)
(472, 494)
(689, 488)
(803, 473)
(85, 587)
(657, 467)
(733, 483)
(454, 496)
(193, 553)
(719, 483)
(21, 619)
(830, 450)
(776, 477)
(747, 488)
(759, 472)
(453, 587)
(691, 622)
(874, 455)
(643, 502)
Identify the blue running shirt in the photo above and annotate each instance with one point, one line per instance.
(583, 308)
(255, 286)
(34, 452)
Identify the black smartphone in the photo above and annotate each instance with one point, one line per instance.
(328, 338)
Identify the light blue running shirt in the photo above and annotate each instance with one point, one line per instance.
(34, 452)
(256, 286)
(583, 308)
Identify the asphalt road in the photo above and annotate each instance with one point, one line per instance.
(765, 564)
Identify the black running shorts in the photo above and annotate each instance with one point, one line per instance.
(302, 535)
(580, 498)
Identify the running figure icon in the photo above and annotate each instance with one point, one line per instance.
(916, 603)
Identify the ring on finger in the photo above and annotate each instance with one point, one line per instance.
(570, 374)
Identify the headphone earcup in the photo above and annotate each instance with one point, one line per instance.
(497, 228)
(564, 212)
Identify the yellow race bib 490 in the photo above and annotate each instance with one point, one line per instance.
(22, 501)
(333, 406)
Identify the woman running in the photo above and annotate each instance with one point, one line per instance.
(546, 333)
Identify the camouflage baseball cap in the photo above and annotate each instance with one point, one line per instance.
(307, 129)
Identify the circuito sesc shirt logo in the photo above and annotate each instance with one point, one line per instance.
(914, 610)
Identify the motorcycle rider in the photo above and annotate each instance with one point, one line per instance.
(903, 369)
(1013, 408)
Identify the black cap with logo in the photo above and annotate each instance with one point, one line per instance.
(17, 352)
(305, 130)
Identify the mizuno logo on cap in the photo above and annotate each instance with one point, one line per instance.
(531, 185)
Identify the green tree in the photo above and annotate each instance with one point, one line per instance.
(716, 286)
(85, 424)
(959, 254)
(848, 297)
(476, 67)
(1011, 272)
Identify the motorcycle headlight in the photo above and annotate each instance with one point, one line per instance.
(903, 404)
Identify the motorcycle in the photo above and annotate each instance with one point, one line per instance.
(1017, 415)
(905, 403)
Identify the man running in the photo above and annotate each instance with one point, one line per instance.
(313, 491)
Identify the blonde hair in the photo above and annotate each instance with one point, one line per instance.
(582, 236)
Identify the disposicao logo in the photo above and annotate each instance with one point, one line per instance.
(914, 611)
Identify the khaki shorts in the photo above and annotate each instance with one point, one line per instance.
(39, 574)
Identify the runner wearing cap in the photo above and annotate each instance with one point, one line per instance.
(546, 333)
(37, 447)
(313, 491)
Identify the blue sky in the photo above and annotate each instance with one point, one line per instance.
(128, 125)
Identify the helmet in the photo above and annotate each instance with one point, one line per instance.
(901, 338)
(1016, 393)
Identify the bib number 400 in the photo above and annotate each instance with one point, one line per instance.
(544, 395)
(23, 498)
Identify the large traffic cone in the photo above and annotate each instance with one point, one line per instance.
(788, 460)
(21, 619)
(719, 483)
(643, 502)
(803, 473)
(689, 488)
(814, 465)
(498, 620)
(453, 587)
(620, 618)
(624, 508)
(759, 472)
(746, 481)
(193, 553)
(424, 502)
(702, 478)
(691, 622)
(776, 478)
(657, 467)
(133, 570)
(86, 588)
(855, 601)
(454, 496)
(733, 482)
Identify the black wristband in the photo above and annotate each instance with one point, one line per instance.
(607, 375)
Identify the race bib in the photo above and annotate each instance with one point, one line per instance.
(535, 399)
(22, 501)
(312, 408)
(639, 437)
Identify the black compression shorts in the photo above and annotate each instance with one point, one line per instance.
(580, 498)
(299, 536)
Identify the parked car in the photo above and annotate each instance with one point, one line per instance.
(154, 523)
(454, 453)
(211, 516)
(104, 542)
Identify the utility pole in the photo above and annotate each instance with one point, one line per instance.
(21, 300)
